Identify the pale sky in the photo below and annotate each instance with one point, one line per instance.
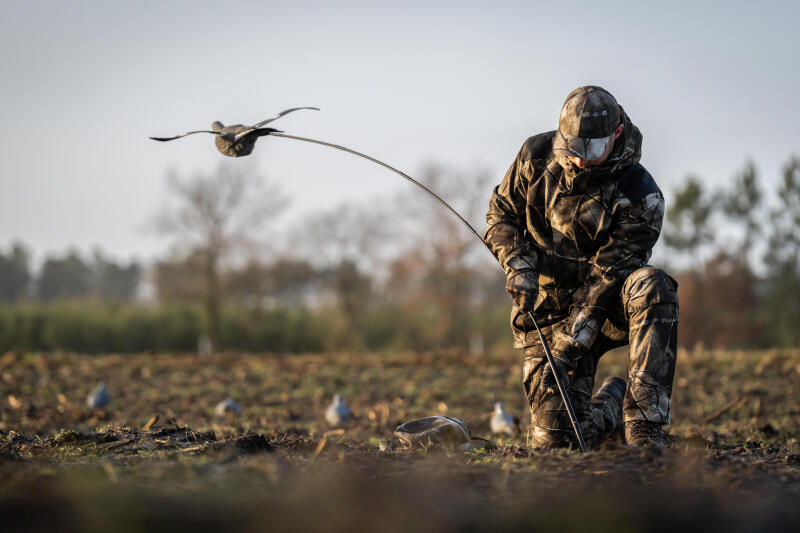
(462, 83)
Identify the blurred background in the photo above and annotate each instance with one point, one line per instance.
(110, 242)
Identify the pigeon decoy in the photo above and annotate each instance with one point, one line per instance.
(434, 430)
(99, 397)
(237, 140)
(337, 413)
(227, 406)
(501, 421)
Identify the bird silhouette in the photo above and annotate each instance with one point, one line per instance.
(99, 397)
(501, 421)
(237, 140)
(337, 413)
(227, 406)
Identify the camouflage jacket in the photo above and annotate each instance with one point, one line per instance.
(583, 231)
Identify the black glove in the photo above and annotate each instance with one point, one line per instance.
(566, 354)
(566, 371)
(522, 282)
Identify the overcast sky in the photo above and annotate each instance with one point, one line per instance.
(463, 83)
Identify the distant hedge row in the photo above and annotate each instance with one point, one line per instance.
(96, 328)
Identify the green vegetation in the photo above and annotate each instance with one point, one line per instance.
(94, 328)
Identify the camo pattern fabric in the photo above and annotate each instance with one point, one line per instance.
(645, 316)
(586, 232)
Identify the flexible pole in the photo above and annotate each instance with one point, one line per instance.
(561, 389)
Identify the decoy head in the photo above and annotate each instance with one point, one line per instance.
(498, 407)
(217, 125)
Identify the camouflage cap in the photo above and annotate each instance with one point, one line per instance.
(588, 119)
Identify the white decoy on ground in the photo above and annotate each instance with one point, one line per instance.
(501, 421)
(337, 413)
(99, 397)
(227, 406)
(237, 140)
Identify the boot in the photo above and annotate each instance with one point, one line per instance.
(614, 387)
(609, 399)
(644, 433)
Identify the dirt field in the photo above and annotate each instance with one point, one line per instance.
(734, 464)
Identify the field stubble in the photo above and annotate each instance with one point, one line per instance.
(158, 458)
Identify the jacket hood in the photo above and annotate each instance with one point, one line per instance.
(628, 147)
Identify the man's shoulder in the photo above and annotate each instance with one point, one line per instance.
(637, 184)
(538, 147)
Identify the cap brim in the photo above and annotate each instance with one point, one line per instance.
(585, 148)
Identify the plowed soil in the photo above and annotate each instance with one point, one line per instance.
(158, 459)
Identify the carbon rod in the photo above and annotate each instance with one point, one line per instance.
(561, 389)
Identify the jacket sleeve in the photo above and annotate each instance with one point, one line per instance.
(506, 219)
(636, 229)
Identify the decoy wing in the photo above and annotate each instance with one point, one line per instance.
(240, 134)
(279, 115)
(183, 135)
(254, 127)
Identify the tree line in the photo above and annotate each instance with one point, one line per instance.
(740, 245)
(70, 276)
(397, 273)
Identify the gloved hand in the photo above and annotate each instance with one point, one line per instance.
(522, 283)
(566, 371)
(566, 353)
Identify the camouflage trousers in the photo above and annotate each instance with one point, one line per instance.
(646, 318)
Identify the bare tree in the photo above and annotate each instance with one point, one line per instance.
(346, 245)
(438, 267)
(344, 233)
(212, 215)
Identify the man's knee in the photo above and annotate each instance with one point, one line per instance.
(646, 287)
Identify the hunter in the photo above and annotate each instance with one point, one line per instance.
(573, 223)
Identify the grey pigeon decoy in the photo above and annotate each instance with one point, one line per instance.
(434, 430)
(99, 397)
(501, 421)
(440, 430)
(237, 140)
(227, 406)
(337, 413)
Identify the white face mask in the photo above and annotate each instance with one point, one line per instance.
(585, 148)
(595, 148)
